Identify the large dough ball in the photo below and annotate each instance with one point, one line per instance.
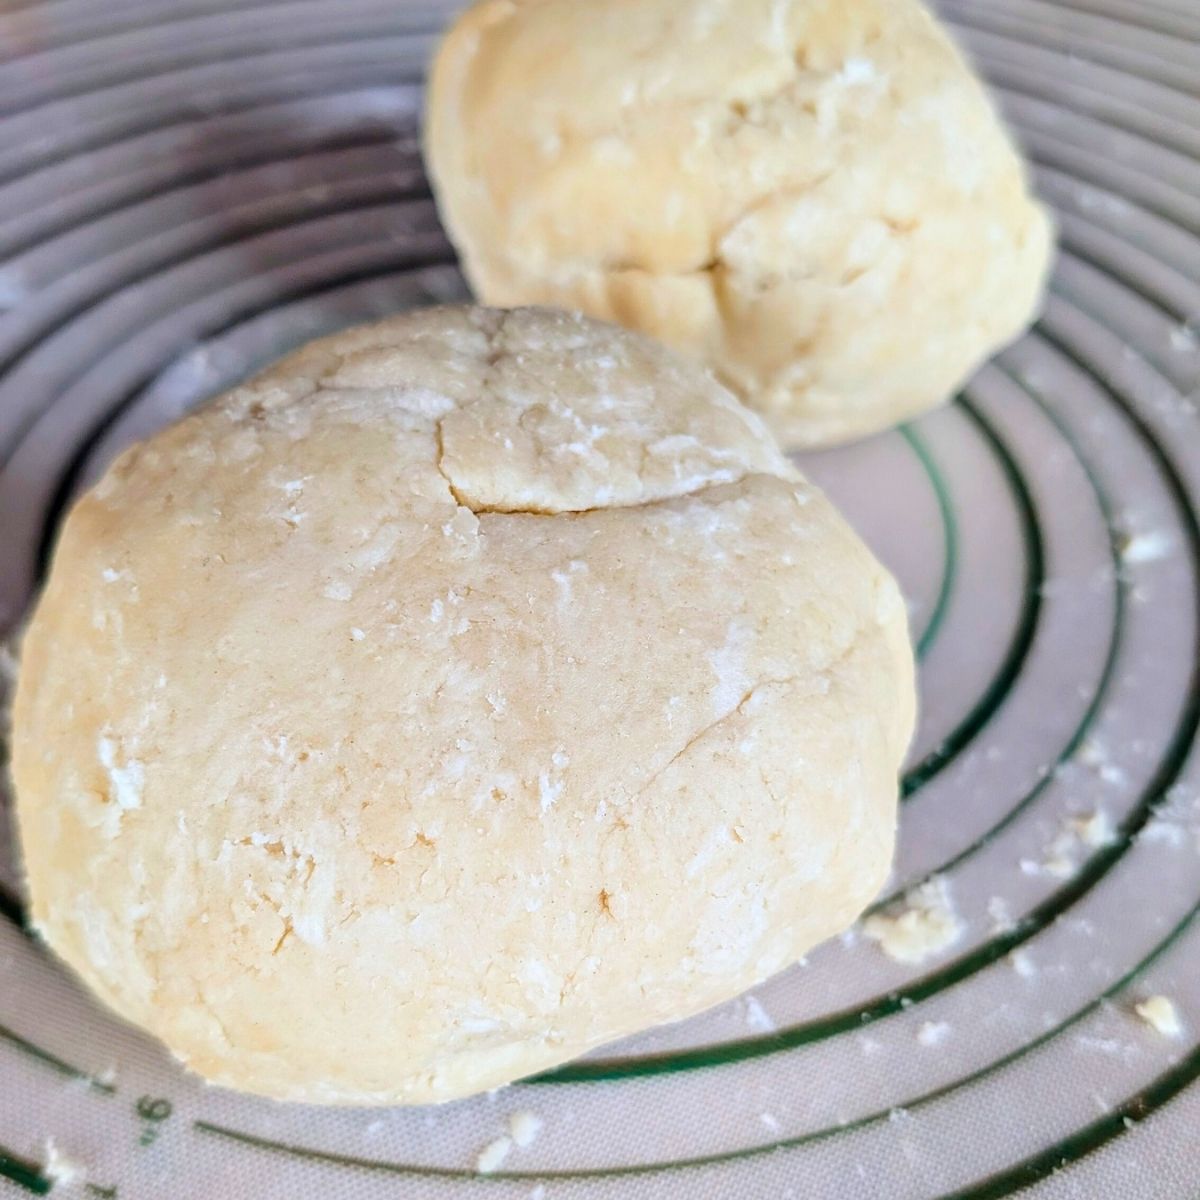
(814, 197)
(463, 692)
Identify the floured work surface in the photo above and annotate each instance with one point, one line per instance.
(190, 189)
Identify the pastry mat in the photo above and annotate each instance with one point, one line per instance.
(188, 187)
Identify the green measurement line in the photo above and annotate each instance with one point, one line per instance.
(53, 1061)
(1138, 1107)
(851, 1020)
(1090, 1138)
(879, 1007)
(1173, 762)
(1120, 588)
(1138, 1103)
(949, 537)
(23, 1173)
(1002, 682)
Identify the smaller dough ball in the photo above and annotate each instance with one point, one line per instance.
(814, 197)
(463, 692)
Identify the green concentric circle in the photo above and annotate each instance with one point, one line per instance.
(187, 186)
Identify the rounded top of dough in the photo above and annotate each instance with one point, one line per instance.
(815, 197)
(462, 692)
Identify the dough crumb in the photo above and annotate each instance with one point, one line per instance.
(524, 1126)
(1094, 830)
(59, 1168)
(933, 1033)
(1022, 962)
(1058, 865)
(757, 1017)
(1161, 829)
(997, 909)
(1094, 755)
(1148, 546)
(1161, 1015)
(491, 1157)
(925, 924)
(770, 1121)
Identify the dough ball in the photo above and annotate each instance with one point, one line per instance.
(465, 691)
(814, 197)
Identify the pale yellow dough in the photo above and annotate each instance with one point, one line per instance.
(814, 197)
(465, 691)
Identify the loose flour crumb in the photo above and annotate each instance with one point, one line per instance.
(61, 1170)
(924, 924)
(491, 1157)
(1058, 865)
(1094, 755)
(524, 1127)
(1093, 830)
(998, 910)
(1163, 830)
(933, 1033)
(1149, 546)
(1161, 1015)
(757, 1017)
(1022, 962)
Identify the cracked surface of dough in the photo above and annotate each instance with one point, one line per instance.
(461, 693)
(815, 197)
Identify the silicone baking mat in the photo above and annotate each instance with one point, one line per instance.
(188, 187)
